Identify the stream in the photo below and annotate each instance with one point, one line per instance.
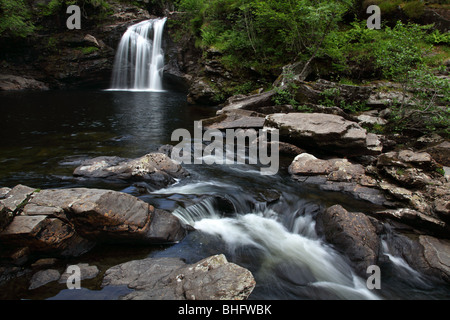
(263, 223)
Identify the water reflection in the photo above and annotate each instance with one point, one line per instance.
(42, 130)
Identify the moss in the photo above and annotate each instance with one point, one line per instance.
(88, 50)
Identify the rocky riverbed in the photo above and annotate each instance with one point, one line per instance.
(335, 151)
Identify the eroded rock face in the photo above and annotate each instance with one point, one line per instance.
(327, 132)
(213, 278)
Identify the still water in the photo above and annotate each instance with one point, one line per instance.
(263, 223)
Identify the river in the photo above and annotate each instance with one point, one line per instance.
(263, 223)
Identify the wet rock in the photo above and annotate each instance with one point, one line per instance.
(426, 254)
(165, 228)
(234, 119)
(323, 131)
(437, 254)
(213, 278)
(44, 262)
(43, 277)
(154, 168)
(86, 272)
(351, 233)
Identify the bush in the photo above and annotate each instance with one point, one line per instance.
(428, 110)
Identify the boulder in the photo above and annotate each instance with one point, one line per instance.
(252, 102)
(15, 83)
(213, 278)
(326, 132)
(110, 215)
(337, 175)
(68, 222)
(86, 272)
(353, 234)
(156, 169)
(201, 91)
(235, 119)
(44, 235)
(43, 277)
(426, 254)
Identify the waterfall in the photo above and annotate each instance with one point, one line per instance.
(139, 59)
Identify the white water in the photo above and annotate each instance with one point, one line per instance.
(309, 262)
(139, 59)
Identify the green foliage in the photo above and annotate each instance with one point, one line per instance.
(15, 18)
(436, 37)
(388, 53)
(283, 97)
(441, 171)
(263, 33)
(401, 51)
(57, 6)
(332, 98)
(427, 110)
(88, 50)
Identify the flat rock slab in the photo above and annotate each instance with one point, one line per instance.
(253, 102)
(329, 132)
(242, 123)
(213, 278)
(24, 225)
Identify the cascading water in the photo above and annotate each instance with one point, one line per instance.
(287, 257)
(139, 59)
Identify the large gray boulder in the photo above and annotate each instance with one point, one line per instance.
(69, 221)
(327, 132)
(158, 169)
(213, 278)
